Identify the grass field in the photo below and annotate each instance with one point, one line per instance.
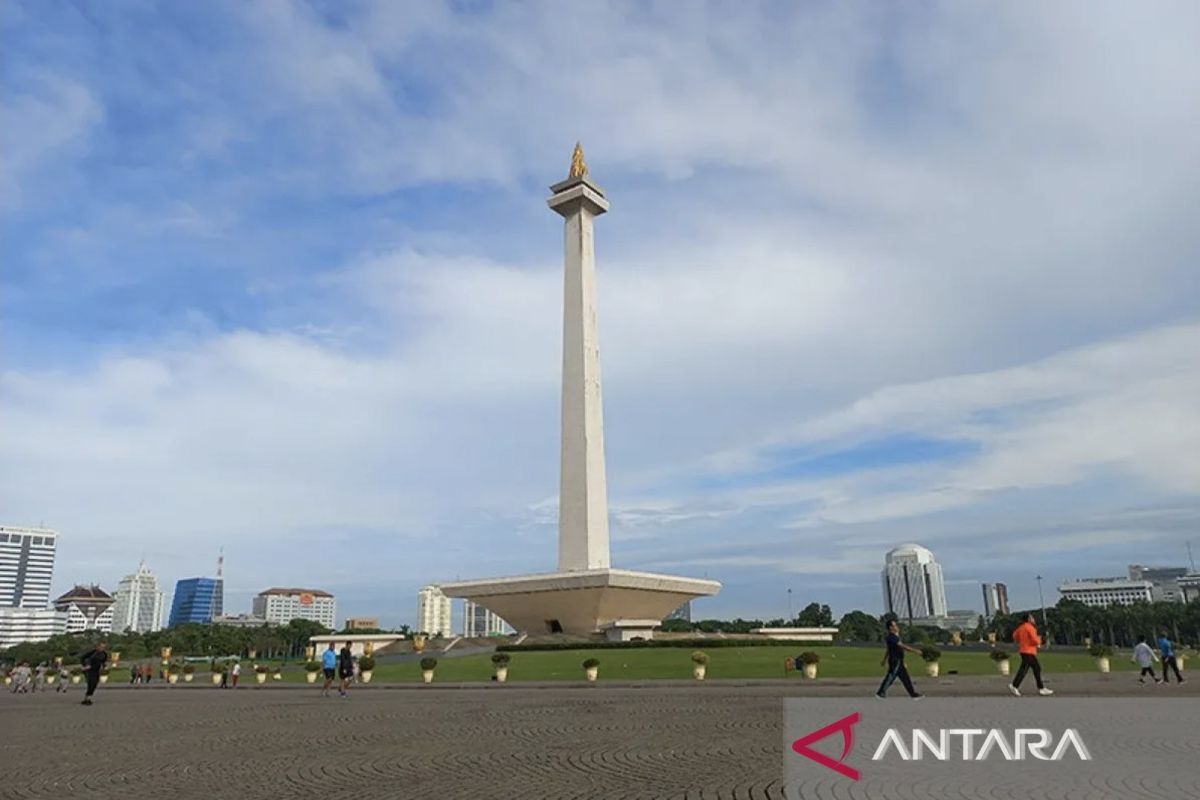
(669, 662)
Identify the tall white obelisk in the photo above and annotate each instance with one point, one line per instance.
(583, 492)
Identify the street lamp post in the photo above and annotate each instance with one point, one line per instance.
(789, 616)
(1042, 600)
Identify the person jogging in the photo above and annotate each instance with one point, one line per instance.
(64, 679)
(1145, 658)
(1027, 640)
(1166, 649)
(893, 657)
(329, 662)
(93, 661)
(345, 669)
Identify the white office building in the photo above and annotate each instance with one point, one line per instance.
(913, 588)
(140, 603)
(18, 625)
(478, 621)
(279, 606)
(434, 612)
(26, 566)
(1104, 592)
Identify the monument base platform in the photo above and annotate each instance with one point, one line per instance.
(581, 602)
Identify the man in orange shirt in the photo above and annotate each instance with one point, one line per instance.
(1027, 640)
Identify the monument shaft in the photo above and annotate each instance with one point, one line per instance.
(583, 493)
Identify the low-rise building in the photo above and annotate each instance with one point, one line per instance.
(88, 608)
(362, 623)
(1164, 581)
(1104, 592)
(282, 605)
(241, 621)
(20, 625)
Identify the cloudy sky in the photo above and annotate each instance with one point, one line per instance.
(279, 277)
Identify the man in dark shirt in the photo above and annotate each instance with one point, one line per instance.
(894, 658)
(345, 669)
(93, 661)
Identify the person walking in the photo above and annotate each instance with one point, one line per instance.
(225, 677)
(1028, 641)
(39, 677)
(1166, 649)
(22, 676)
(329, 663)
(893, 657)
(235, 673)
(93, 661)
(345, 669)
(64, 678)
(1145, 658)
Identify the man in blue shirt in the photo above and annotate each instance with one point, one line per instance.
(894, 658)
(1167, 650)
(329, 661)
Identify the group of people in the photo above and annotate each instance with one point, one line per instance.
(29, 680)
(1028, 642)
(339, 665)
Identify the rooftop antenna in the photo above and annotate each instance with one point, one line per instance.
(1191, 560)
(221, 561)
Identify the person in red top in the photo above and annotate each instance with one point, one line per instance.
(1027, 640)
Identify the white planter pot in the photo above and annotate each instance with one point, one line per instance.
(50, 679)
(172, 679)
(933, 669)
(365, 676)
(276, 676)
(104, 679)
(261, 677)
(8, 680)
(216, 679)
(188, 677)
(311, 677)
(592, 673)
(810, 671)
(1103, 665)
(501, 674)
(76, 678)
(699, 671)
(427, 675)
(1004, 667)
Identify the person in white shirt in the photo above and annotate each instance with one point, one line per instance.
(1145, 657)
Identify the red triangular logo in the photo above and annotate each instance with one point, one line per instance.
(846, 726)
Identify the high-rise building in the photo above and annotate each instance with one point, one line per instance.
(434, 612)
(197, 600)
(478, 621)
(88, 608)
(913, 588)
(282, 605)
(1104, 592)
(139, 602)
(18, 625)
(1164, 581)
(26, 566)
(995, 600)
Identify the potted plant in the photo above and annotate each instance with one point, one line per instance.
(260, 673)
(51, 675)
(277, 674)
(7, 678)
(500, 665)
(104, 675)
(1000, 656)
(1102, 653)
(217, 671)
(428, 665)
(76, 674)
(810, 660)
(311, 668)
(699, 664)
(189, 672)
(366, 667)
(591, 668)
(172, 673)
(931, 655)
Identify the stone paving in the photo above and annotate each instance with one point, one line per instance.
(721, 739)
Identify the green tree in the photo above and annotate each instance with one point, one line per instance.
(859, 626)
(815, 615)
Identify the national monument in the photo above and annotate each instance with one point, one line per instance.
(585, 594)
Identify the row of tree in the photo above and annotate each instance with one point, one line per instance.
(1070, 622)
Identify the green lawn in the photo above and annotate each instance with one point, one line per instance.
(670, 662)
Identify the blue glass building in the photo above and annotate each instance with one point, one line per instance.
(197, 600)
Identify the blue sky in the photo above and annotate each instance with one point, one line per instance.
(279, 277)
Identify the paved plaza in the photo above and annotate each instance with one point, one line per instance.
(650, 740)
